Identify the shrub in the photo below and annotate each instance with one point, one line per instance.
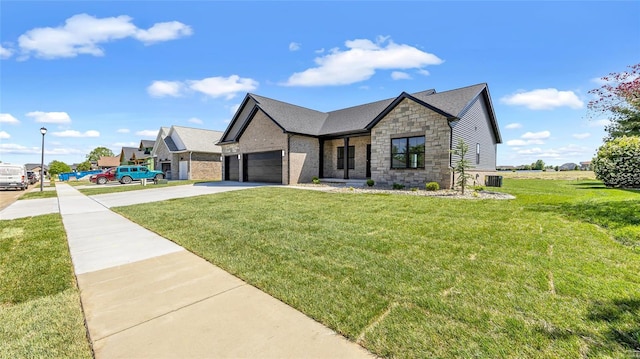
(414, 189)
(398, 186)
(432, 186)
(315, 180)
(478, 188)
(370, 182)
(617, 162)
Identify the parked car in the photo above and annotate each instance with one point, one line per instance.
(104, 177)
(32, 177)
(126, 174)
(13, 176)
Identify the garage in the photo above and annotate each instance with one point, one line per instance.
(263, 167)
(231, 168)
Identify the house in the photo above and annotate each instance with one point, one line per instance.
(35, 167)
(108, 162)
(585, 166)
(132, 156)
(407, 139)
(569, 166)
(188, 153)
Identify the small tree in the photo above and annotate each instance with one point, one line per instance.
(617, 162)
(462, 165)
(84, 166)
(56, 167)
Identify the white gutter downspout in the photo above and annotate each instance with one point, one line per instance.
(190, 153)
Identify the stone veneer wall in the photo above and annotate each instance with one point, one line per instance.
(409, 119)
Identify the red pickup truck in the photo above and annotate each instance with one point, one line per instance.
(104, 177)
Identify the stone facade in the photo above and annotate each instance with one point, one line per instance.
(409, 119)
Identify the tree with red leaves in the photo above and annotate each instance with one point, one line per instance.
(619, 96)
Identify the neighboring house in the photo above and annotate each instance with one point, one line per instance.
(505, 168)
(569, 166)
(407, 139)
(585, 166)
(133, 156)
(161, 154)
(35, 167)
(108, 162)
(188, 153)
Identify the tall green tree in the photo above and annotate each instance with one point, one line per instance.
(56, 167)
(538, 165)
(98, 152)
(619, 98)
(462, 165)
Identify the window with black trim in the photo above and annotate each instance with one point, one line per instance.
(351, 159)
(407, 152)
(477, 153)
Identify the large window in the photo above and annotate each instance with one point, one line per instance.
(352, 157)
(407, 152)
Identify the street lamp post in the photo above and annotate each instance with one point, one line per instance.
(43, 131)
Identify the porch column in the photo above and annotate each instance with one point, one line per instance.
(346, 158)
(321, 159)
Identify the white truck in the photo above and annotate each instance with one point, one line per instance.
(13, 177)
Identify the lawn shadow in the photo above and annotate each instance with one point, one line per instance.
(615, 313)
(589, 185)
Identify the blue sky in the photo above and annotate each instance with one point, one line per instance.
(110, 73)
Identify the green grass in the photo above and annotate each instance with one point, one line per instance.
(433, 277)
(101, 189)
(36, 194)
(40, 313)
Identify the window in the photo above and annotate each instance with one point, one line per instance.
(477, 153)
(407, 152)
(351, 159)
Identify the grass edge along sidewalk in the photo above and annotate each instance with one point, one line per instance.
(430, 277)
(40, 310)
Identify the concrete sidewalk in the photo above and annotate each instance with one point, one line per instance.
(146, 297)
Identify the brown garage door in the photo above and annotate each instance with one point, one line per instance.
(263, 167)
(232, 168)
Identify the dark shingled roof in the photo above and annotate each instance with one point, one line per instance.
(147, 143)
(296, 119)
(130, 152)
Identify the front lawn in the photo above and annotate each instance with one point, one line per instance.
(36, 194)
(113, 187)
(40, 315)
(410, 276)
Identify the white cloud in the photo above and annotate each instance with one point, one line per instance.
(530, 138)
(599, 123)
(125, 144)
(165, 88)
(234, 108)
(50, 117)
(581, 136)
(424, 72)
(4, 135)
(163, 31)
(542, 135)
(83, 34)
(123, 130)
(560, 154)
(294, 46)
(516, 143)
(399, 75)
(8, 118)
(319, 51)
(74, 133)
(147, 133)
(544, 99)
(360, 62)
(195, 120)
(226, 87)
(5, 52)
(513, 126)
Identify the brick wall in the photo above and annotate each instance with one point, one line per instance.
(304, 158)
(331, 170)
(409, 119)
